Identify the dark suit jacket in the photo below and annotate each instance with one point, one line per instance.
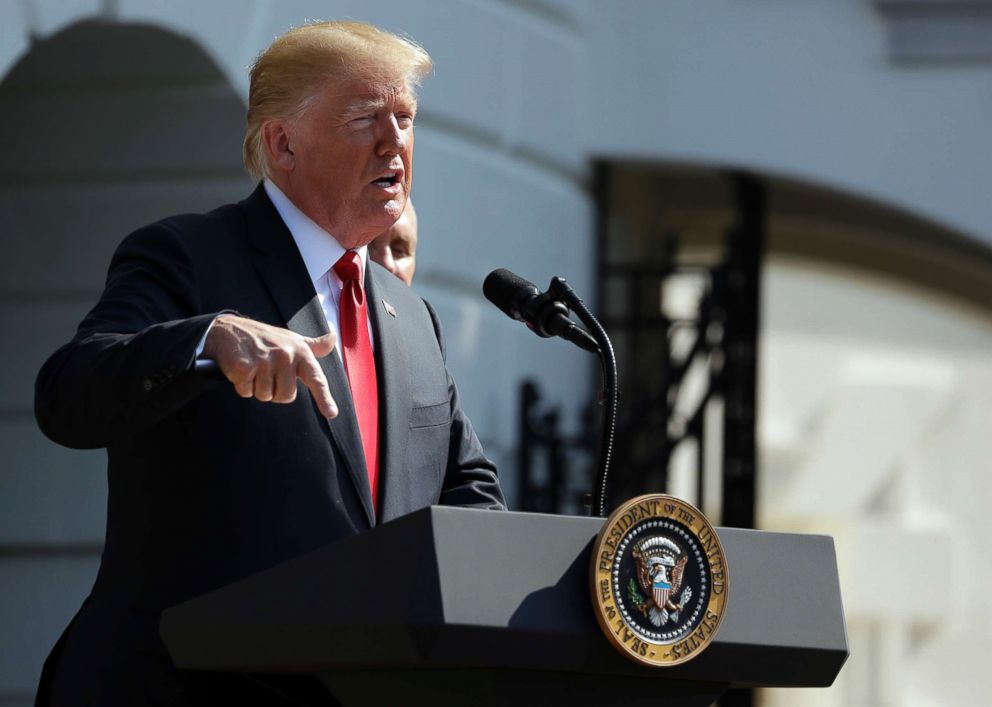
(207, 487)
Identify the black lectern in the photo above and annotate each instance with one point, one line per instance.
(451, 606)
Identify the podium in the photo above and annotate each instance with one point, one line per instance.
(450, 606)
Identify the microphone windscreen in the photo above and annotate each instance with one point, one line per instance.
(508, 291)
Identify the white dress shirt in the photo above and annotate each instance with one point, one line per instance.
(320, 252)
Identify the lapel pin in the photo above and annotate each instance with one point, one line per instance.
(390, 309)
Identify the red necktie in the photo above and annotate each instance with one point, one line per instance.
(359, 364)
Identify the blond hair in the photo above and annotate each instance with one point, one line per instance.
(289, 75)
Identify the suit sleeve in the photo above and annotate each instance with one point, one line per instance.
(470, 479)
(129, 364)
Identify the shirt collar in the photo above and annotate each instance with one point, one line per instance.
(319, 248)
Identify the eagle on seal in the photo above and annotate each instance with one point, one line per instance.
(660, 565)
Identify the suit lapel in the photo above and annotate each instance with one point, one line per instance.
(395, 395)
(281, 267)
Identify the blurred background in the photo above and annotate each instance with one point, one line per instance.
(782, 212)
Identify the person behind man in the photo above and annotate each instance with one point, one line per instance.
(396, 249)
(305, 442)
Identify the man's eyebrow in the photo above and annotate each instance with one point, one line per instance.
(363, 106)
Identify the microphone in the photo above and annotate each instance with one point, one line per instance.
(542, 312)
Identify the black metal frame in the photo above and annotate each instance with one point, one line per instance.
(649, 430)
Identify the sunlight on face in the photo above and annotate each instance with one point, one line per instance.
(352, 159)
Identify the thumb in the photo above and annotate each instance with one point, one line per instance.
(322, 345)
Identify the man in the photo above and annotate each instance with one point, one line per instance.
(396, 249)
(305, 442)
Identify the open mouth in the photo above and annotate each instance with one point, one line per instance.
(387, 180)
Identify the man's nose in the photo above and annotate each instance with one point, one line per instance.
(393, 138)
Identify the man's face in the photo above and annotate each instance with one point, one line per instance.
(352, 159)
(396, 249)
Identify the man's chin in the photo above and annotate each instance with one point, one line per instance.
(394, 207)
(387, 216)
(375, 224)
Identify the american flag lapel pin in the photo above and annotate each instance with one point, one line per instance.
(390, 309)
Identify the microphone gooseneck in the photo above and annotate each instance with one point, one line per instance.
(611, 391)
(547, 314)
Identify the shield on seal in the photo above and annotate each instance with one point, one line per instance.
(661, 590)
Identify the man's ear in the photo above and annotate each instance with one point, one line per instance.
(278, 147)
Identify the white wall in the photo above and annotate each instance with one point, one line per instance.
(876, 418)
(805, 88)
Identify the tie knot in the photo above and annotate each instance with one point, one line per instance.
(349, 266)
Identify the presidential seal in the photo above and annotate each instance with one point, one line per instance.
(659, 580)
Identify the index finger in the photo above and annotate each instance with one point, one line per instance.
(308, 371)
